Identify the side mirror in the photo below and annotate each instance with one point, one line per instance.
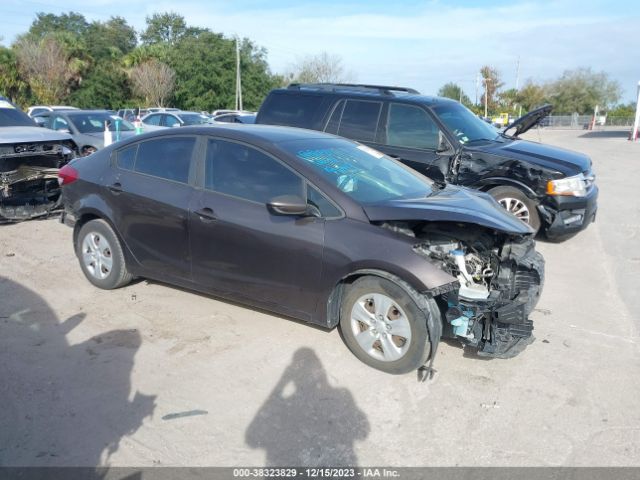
(175, 125)
(63, 130)
(288, 205)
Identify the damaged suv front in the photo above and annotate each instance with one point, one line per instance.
(30, 158)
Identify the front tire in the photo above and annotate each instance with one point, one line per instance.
(101, 257)
(518, 204)
(383, 326)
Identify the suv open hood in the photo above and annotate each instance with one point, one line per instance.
(529, 120)
(452, 204)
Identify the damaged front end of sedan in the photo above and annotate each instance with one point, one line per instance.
(29, 176)
(496, 273)
(499, 282)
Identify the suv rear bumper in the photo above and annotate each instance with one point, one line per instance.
(567, 215)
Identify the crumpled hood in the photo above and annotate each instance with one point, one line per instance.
(564, 161)
(530, 120)
(453, 204)
(30, 134)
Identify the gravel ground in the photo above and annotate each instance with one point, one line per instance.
(154, 375)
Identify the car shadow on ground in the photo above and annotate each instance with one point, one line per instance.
(307, 422)
(63, 404)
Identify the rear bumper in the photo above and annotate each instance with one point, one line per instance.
(566, 215)
(68, 219)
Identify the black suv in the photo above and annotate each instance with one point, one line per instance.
(550, 188)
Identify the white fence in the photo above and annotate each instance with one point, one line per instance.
(582, 121)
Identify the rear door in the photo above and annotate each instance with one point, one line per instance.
(149, 193)
(239, 247)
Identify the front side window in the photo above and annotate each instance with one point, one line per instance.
(466, 126)
(359, 120)
(242, 171)
(59, 123)
(411, 127)
(170, 121)
(153, 120)
(362, 173)
(168, 158)
(324, 207)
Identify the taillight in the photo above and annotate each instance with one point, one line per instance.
(67, 175)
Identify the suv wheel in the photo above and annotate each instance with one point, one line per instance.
(101, 256)
(517, 203)
(383, 326)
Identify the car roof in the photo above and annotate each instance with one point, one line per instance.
(366, 91)
(269, 134)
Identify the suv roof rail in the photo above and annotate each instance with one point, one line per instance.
(387, 90)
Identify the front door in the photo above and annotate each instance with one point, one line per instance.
(239, 247)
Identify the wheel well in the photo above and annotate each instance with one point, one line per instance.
(87, 217)
(335, 298)
(526, 190)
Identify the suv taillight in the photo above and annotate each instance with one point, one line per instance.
(67, 175)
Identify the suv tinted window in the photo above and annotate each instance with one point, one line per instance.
(295, 110)
(247, 173)
(359, 120)
(127, 157)
(168, 158)
(412, 127)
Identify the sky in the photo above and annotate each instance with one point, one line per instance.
(410, 43)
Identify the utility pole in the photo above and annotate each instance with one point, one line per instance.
(486, 95)
(477, 87)
(518, 72)
(238, 77)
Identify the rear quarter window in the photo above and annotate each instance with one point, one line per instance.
(290, 109)
(126, 157)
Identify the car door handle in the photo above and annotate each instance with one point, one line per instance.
(206, 214)
(116, 188)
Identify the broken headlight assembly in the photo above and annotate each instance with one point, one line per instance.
(575, 186)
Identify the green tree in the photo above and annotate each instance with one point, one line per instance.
(454, 91)
(581, 90)
(531, 95)
(12, 84)
(168, 27)
(492, 84)
(105, 86)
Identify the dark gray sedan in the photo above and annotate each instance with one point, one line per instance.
(311, 226)
(86, 127)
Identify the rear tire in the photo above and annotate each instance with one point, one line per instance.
(101, 257)
(518, 204)
(383, 326)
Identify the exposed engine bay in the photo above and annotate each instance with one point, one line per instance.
(29, 178)
(500, 281)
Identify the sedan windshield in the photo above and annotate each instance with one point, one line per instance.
(466, 126)
(95, 122)
(194, 118)
(363, 173)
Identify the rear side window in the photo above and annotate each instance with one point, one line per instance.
(359, 120)
(292, 110)
(242, 171)
(127, 157)
(170, 121)
(411, 127)
(168, 158)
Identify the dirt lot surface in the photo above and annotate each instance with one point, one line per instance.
(154, 375)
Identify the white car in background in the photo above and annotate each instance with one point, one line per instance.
(36, 109)
(158, 120)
